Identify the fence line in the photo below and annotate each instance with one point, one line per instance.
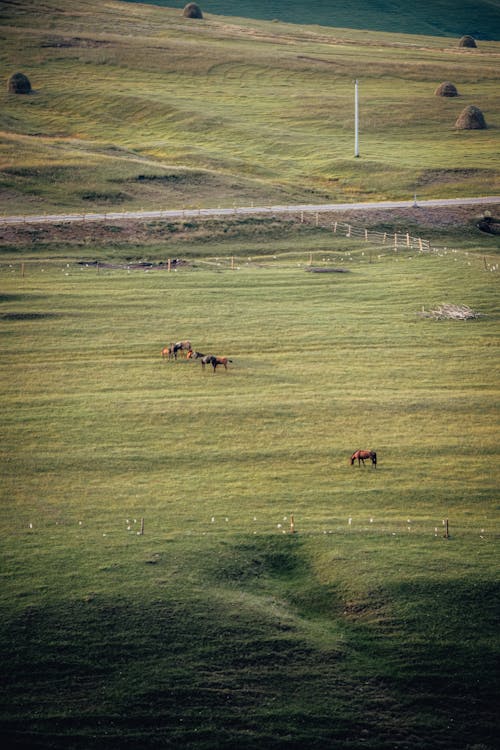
(389, 239)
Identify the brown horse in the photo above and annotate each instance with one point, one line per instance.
(168, 351)
(363, 456)
(194, 355)
(210, 359)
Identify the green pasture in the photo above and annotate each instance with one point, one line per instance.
(217, 626)
(134, 106)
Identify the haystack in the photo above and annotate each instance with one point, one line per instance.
(19, 84)
(471, 118)
(192, 10)
(467, 41)
(446, 89)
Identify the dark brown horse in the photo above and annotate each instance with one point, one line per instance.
(182, 346)
(363, 456)
(210, 359)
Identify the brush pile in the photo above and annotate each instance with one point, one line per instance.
(446, 311)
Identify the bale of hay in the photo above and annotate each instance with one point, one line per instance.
(471, 118)
(446, 89)
(192, 10)
(467, 41)
(19, 84)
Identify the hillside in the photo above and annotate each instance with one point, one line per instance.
(135, 106)
(444, 18)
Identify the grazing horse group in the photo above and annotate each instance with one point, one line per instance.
(363, 456)
(171, 351)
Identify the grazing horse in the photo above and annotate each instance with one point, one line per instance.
(168, 351)
(364, 455)
(194, 355)
(181, 346)
(210, 359)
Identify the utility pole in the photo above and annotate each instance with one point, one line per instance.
(356, 120)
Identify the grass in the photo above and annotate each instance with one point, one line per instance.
(232, 112)
(217, 626)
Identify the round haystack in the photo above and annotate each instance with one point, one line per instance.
(467, 41)
(192, 10)
(19, 84)
(446, 89)
(471, 118)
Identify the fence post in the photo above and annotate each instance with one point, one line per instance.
(335, 227)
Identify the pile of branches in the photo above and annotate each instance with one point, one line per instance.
(446, 311)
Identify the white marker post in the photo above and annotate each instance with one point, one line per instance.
(356, 120)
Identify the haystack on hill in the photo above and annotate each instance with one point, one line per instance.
(19, 84)
(471, 118)
(446, 89)
(192, 10)
(467, 41)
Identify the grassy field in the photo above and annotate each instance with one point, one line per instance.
(134, 106)
(188, 559)
(217, 627)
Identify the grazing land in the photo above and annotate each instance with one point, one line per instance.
(188, 559)
(217, 626)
